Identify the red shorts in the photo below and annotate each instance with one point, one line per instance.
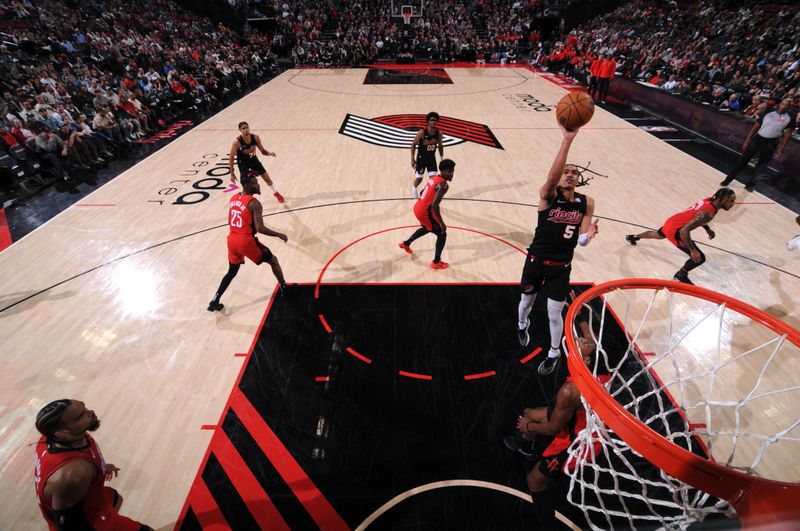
(240, 246)
(108, 519)
(427, 218)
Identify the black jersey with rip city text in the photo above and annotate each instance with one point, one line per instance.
(558, 229)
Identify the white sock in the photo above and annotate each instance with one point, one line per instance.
(556, 325)
(272, 187)
(524, 309)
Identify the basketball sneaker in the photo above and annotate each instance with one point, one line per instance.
(547, 366)
(278, 196)
(287, 289)
(726, 181)
(405, 247)
(439, 265)
(682, 277)
(632, 239)
(518, 444)
(522, 334)
(414, 192)
(215, 306)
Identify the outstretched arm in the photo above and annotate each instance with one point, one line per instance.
(701, 218)
(548, 189)
(261, 148)
(257, 211)
(567, 401)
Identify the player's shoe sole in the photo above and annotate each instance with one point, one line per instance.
(215, 306)
(405, 247)
(547, 366)
(631, 239)
(683, 278)
(519, 445)
(522, 334)
(439, 265)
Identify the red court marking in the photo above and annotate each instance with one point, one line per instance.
(246, 484)
(530, 356)
(648, 354)
(697, 426)
(199, 476)
(240, 355)
(343, 249)
(95, 204)
(205, 507)
(5, 234)
(322, 378)
(415, 375)
(358, 355)
(479, 375)
(318, 507)
(211, 427)
(325, 324)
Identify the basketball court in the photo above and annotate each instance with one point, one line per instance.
(377, 395)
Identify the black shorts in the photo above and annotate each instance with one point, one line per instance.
(553, 466)
(251, 165)
(552, 280)
(429, 164)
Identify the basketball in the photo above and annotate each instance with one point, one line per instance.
(575, 110)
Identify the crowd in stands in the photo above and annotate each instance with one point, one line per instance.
(82, 81)
(736, 56)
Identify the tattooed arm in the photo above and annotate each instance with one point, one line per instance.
(700, 219)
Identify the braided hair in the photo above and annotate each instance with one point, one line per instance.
(50, 418)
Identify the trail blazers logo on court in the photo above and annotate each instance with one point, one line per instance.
(399, 130)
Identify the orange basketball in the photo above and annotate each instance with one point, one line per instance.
(575, 110)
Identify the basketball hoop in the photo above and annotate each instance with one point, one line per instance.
(666, 401)
(406, 12)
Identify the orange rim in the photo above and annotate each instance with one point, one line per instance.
(757, 501)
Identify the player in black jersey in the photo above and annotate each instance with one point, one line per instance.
(423, 151)
(565, 220)
(243, 151)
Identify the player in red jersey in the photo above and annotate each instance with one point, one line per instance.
(70, 473)
(678, 228)
(245, 220)
(427, 211)
(564, 420)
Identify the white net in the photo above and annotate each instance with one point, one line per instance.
(686, 368)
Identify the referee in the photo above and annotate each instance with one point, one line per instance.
(772, 133)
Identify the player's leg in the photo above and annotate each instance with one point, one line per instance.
(557, 286)
(441, 239)
(530, 283)
(544, 503)
(262, 172)
(683, 273)
(268, 258)
(417, 179)
(425, 228)
(646, 235)
(233, 269)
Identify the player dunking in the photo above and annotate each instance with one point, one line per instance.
(565, 220)
(423, 150)
(426, 209)
(244, 150)
(70, 472)
(244, 220)
(677, 229)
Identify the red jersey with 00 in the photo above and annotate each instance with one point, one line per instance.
(428, 194)
(240, 219)
(674, 223)
(47, 463)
